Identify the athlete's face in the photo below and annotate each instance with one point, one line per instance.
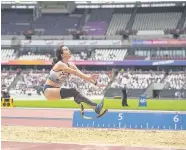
(66, 53)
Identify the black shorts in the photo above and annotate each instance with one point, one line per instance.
(64, 92)
(48, 86)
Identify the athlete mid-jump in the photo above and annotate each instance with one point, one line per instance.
(60, 71)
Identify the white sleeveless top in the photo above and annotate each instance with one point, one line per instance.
(58, 76)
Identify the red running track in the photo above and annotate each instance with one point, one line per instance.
(37, 117)
(61, 146)
(44, 117)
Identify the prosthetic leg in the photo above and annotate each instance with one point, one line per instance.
(80, 98)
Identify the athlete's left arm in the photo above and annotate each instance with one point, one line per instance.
(76, 68)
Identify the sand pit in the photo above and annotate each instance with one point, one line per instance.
(173, 139)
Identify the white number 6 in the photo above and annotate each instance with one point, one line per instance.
(176, 119)
(120, 116)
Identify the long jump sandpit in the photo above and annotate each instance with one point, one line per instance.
(34, 129)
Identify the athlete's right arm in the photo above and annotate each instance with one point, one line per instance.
(75, 72)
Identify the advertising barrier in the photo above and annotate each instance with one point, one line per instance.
(64, 42)
(26, 62)
(28, 43)
(102, 63)
(160, 42)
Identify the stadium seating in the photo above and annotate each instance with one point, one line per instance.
(49, 24)
(101, 15)
(170, 53)
(109, 54)
(80, 56)
(118, 22)
(86, 87)
(96, 21)
(101, 24)
(176, 80)
(33, 79)
(7, 77)
(156, 21)
(7, 54)
(29, 83)
(12, 26)
(55, 24)
(34, 57)
(137, 79)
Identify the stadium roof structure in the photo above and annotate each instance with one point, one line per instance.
(105, 3)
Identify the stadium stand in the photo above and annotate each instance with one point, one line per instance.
(103, 23)
(135, 80)
(32, 56)
(8, 54)
(138, 79)
(95, 21)
(176, 80)
(55, 24)
(12, 26)
(157, 54)
(7, 77)
(29, 83)
(98, 21)
(80, 56)
(109, 54)
(118, 22)
(86, 87)
(154, 19)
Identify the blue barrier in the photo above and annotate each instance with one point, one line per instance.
(133, 120)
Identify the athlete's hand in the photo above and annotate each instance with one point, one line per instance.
(90, 78)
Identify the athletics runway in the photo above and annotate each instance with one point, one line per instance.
(54, 119)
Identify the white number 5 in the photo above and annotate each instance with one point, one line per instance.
(120, 116)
